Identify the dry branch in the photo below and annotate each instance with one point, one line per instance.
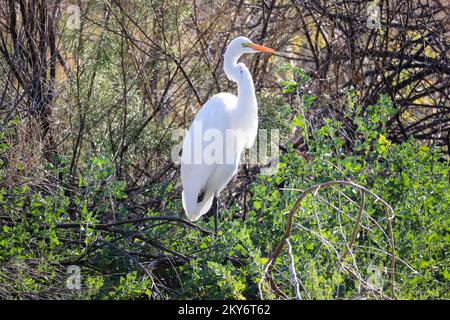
(287, 233)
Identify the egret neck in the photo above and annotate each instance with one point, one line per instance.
(239, 73)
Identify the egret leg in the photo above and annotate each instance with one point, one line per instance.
(216, 215)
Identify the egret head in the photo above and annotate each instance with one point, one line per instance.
(241, 45)
(235, 50)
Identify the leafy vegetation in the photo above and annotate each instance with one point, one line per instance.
(412, 178)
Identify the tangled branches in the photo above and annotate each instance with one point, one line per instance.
(349, 266)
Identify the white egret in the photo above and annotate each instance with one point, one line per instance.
(223, 127)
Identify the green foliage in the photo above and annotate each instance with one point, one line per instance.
(120, 262)
(132, 287)
(412, 178)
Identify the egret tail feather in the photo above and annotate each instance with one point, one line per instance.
(194, 209)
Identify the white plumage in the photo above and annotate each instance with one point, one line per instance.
(223, 127)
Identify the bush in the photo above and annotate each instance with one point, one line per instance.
(127, 251)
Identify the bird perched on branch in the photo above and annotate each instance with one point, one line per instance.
(224, 126)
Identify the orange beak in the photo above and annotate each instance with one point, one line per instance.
(257, 47)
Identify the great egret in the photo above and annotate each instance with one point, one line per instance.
(230, 124)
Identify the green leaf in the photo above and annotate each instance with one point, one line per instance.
(298, 122)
